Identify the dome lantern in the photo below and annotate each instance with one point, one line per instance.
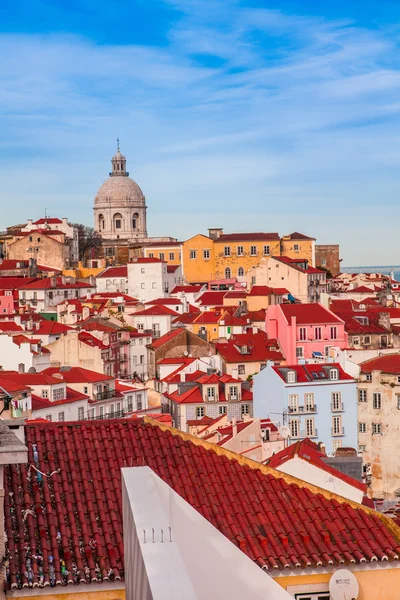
(118, 164)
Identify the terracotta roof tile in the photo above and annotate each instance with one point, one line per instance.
(78, 509)
(389, 364)
(307, 314)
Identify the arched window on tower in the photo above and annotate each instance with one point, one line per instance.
(240, 272)
(101, 222)
(135, 221)
(227, 273)
(117, 221)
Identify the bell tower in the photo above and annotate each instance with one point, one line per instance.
(118, 164)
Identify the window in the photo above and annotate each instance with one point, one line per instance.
(101, 411)
(334, 374)
(376, 428)
(240, 272)
(262, 366)
(118, 409)
(337, 444)
(81, 413)
(61, 416)
(151, 255)
(210, 394)
(227, 251)
(227, 273)
(45, 393)
(161, 255)
(48, 417)
(291, 377)
(362, 448)
(240, 251)
(58, 394)
(172, 256)
(50, 295)
(367, 340)
(356, 341)
(302, 334)
(142, 286)
(296, 247)
(253, 250)
(199, 412)
(362, 428)
(154, 285)
(310, 427)
(206, 254)
(299, 352)
(318, 333)
(368, 377)
(253, 280)
(337, 426)
(193, 254)
(139, 402)
(376, 400)
(293, 403)
(233, 392)
(129, 404)
(85, 389)
(323, 262)
(398, 401)
(117, 223)
(336, 401)
(222, 410)
(244, 409)
(309, 401)
(241, 369)
(266, 251)
(294, 428)
(333, 333)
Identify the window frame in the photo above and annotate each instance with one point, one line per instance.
(253, 251)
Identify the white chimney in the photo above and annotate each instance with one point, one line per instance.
(183, 376)
(234, 427)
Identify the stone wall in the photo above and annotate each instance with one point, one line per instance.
(327, 257)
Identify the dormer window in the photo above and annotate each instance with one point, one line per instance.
(291, 377)
(334, 374)
(211, 394)
(244, 350)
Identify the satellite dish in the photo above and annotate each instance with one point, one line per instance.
(284, 431)
(343, 585)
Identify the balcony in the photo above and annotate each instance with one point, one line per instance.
(118, 414)
(303, 409)
(337, 432)
(104, 395)
(302, 433)
(234, 397)
(337, 407)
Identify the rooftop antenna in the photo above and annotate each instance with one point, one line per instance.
(45, 213)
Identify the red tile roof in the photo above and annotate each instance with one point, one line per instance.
(235, 294)
(76, 375)
(95, 326)
(187, 318)
(9, 326)
(91, 340)
(142, 260)
(46, 327)
(308, 314)
(14, 283)
(353, 326)
(265, 290)
(309, 451)
(156, 310)
(259, 348)
(47, 284)
(72, 396)
(194, 394)
(121, 271)
(164, 301)
(167, 337)
(12, 386)
(305, 372)
(248, 237)
(298, 236)
(48, 220)
(389, 364)
(172, 268)
(211, 298)
(278, 521)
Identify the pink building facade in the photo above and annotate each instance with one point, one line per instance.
(6, 302)
(304, 330)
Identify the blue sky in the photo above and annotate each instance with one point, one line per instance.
(273, 116)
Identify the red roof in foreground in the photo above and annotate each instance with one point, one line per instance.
(277, 520)
(387, 364)
(309, 451)
(308, 314)
(121, 271)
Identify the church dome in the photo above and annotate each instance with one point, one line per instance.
(120, 191)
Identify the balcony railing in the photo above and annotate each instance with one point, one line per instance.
(337, 408)
(303, 409)
(302, 433)
(104, 395)
(118, 414)
(234, 397)
(336, 432)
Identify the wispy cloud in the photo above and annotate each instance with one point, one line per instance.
(244, 113)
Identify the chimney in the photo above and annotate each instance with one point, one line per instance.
(182, 376)
(21, 368)
(215, 233)
(234, 427)
(37, 325)
(53, 281)
(185, 304)
(384, 320)
(322, 447)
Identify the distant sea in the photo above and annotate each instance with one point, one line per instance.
(387, 270)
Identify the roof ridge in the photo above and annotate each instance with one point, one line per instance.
(266, 470)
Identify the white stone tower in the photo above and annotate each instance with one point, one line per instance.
(119, 205)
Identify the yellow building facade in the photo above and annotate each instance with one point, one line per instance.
(226, 256)
(171, 252)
